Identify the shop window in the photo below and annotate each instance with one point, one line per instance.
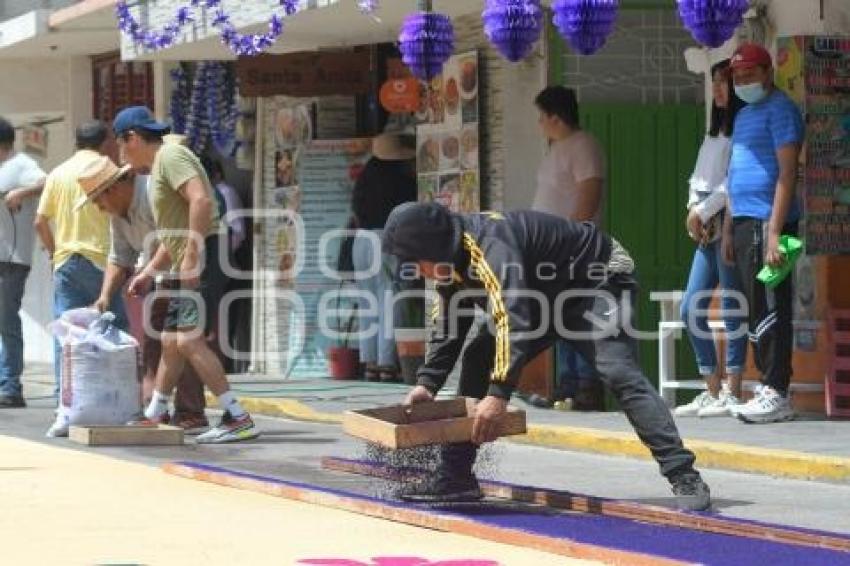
(642, 62)
(118, 84)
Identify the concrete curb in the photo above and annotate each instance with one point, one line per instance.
(727, 456)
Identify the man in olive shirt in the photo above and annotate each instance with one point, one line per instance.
(188, 230)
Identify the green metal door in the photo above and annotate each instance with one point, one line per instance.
(651, 151)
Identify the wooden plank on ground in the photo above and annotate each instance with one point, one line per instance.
(162, 435)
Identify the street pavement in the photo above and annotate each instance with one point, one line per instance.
(108, 505)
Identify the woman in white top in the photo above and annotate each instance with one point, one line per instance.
(706, 207)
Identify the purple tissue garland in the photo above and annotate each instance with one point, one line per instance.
(426, 41)
(367, 7)
(513, 26)
(585, 24)
(198, 124)
(179, 107)
(712, 22)
(239, 44)
(209, 111)
(222, 108)
(149, 39)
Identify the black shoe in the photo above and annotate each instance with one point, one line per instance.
(12, 402)
(445, 490)
(692, 494)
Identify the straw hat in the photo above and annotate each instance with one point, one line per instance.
(389, 147)
(98, 176)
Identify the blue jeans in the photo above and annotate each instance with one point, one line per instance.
(13, 279)
(707, 271)
(77, 284)
(571, 368)
(378, 348)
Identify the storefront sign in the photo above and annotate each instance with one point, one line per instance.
(400, 96)
(305, 74)
(447, 156)
(815, 72)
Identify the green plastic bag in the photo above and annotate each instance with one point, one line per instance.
(791, 248)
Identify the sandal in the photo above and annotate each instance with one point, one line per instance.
(371, 373)
(388, 374)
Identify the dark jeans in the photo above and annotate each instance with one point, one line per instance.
(614, 360)
(571, 370)
(76, 284)
(770, 310)
(13, 279)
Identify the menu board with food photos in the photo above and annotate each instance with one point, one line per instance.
(815, 72)
(447, 140)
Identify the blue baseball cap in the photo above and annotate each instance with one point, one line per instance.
(137, 118)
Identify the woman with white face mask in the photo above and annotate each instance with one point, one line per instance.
(706, 210)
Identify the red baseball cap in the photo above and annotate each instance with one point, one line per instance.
(751, 55)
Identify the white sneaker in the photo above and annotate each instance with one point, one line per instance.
(59, 429)
(768, 406)
(230, 430)
(735, 409)
(724, 405)
(692, 409)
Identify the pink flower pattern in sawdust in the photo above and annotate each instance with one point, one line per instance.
(396, 561)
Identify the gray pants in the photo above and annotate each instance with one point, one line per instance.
(614, 359)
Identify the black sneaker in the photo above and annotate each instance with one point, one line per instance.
(692, 494)
(444, 490)
(12, 402)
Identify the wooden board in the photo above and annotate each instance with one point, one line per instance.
(438, 422)
(161, 435)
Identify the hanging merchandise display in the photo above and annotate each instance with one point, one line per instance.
(513, 26)
(197, 123)
(179, 105)
(426, 42)
(585, 24)
(206, 112)
(712, 22)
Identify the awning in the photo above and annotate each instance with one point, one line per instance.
(336, 25)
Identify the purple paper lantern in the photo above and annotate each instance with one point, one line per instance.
(712, 22)
(513, 26)
(426, 41)
(585, 24)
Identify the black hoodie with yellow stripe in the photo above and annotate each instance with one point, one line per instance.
(515, 266)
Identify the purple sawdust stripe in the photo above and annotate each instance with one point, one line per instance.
(418, 472)
(669, 542)
(611, 532)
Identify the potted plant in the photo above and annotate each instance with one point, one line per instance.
(411, 337)
(343, 360)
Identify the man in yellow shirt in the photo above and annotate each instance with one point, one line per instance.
(190, 234)
(78, 244)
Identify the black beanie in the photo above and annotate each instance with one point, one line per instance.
(426, 232)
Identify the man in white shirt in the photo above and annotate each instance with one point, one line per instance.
(21, 182)
(571, 185)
